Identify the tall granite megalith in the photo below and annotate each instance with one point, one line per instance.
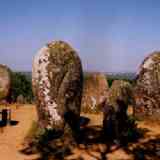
(147, 88)
(95, 89)
(5, 82)
(115, 110)
(57, 81)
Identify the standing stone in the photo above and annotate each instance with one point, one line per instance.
(115, 110)
(5, 82)
(147, 89)
(57, 84)
(20, 99)
(94, 92)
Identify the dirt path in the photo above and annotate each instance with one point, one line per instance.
(147, 147)
(12, 136)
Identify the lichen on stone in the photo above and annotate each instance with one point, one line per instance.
(115, 109)
(147, 89)
(57, 84)
(40, 77)
(120, 90)
(94, 92)
(5, 81)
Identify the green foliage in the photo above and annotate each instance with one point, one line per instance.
(111, 79)
(21, 85)
(132, 132)
(86, 76)
(33, 131)
(2, 95)
(40, 137)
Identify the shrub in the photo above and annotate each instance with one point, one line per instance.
(21, 85)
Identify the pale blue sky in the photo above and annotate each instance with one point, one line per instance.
(109, 35)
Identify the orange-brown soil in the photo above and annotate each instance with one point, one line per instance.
(147, 147)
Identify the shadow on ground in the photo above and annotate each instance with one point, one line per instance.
(92, 145)
(11, 123)
(148, 150)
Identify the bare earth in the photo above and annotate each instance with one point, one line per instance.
(11, 139)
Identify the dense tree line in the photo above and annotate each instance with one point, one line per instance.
(21, 85)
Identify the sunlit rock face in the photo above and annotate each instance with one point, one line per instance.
(5, 82)
(57, 84)
(119, 97)
(120, 90)
(147, 89)
(94, 92)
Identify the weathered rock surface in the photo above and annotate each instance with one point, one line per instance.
(57, 84)
(94, 92)
(147, 89)
(20, 99)
(115, 110)
(5, 82)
